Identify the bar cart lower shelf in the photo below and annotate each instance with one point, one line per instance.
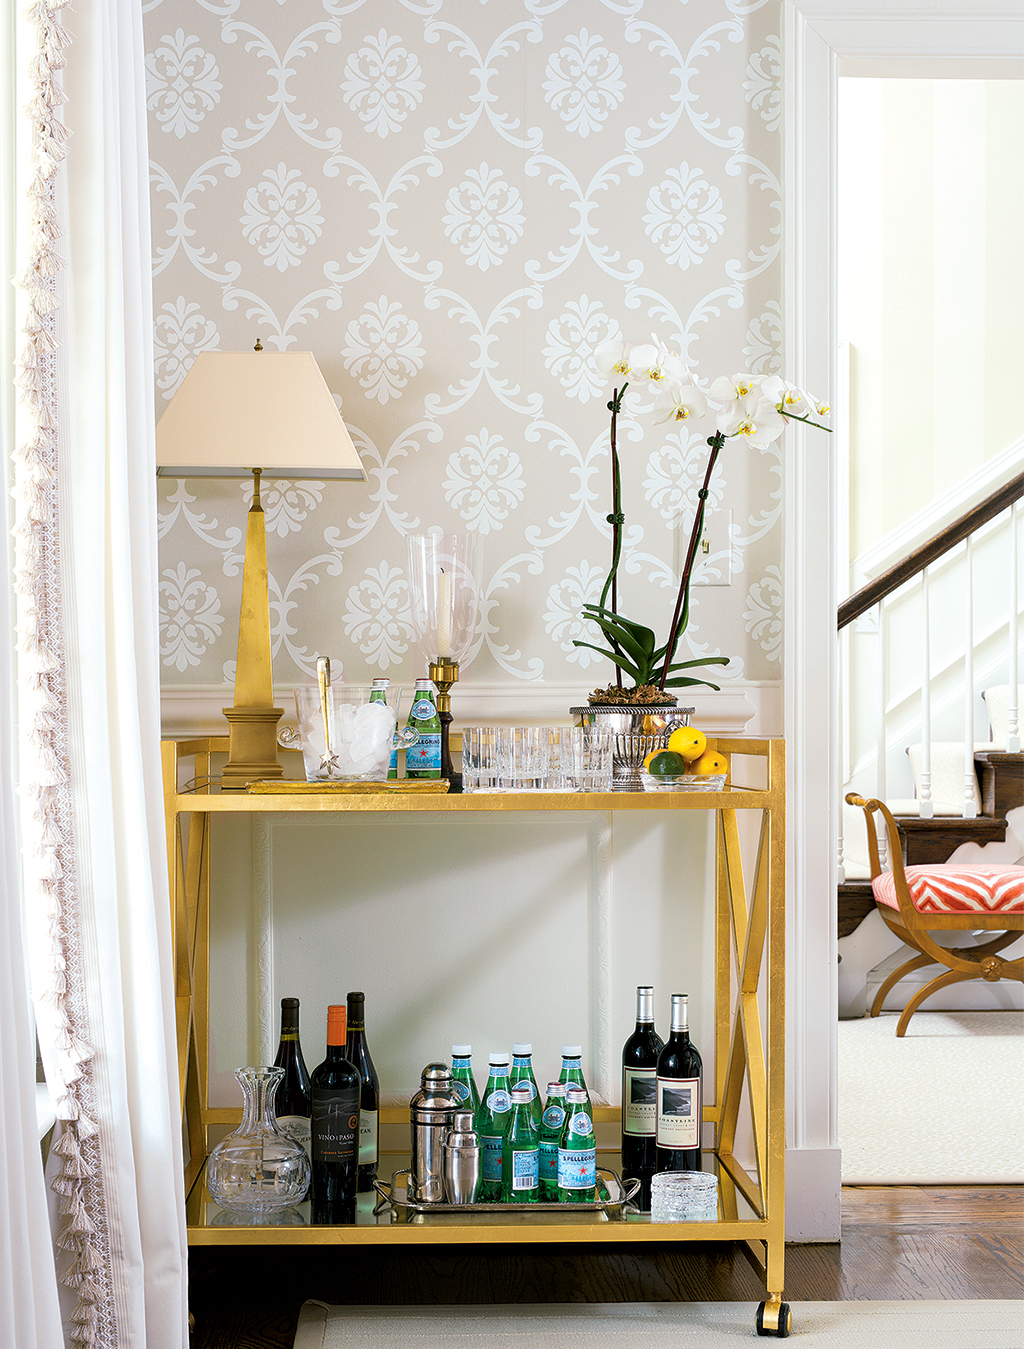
(749, 949)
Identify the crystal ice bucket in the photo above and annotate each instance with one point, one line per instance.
(348, 738)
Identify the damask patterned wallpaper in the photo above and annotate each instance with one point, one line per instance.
(452, 203)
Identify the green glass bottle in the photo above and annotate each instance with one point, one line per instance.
(463, 1082)
(492, 1127)
(520, 1177)
(572, 1069)
(522, 1071)
(577, 1151)
(550, 1132)
(379, 694)
(423, 759)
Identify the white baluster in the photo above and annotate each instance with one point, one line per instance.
(925, 806)
(1013, 723)
(880, 739)
(969, 808)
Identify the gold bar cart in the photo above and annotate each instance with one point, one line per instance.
(749, 1046)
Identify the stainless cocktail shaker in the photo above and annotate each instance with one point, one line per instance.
(430, 1112)
(461, 1160)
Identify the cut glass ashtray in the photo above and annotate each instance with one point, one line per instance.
(683, 782)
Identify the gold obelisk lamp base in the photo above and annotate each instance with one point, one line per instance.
(253, 719)
(444, 672)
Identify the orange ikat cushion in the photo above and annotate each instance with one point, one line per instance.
(956, 888)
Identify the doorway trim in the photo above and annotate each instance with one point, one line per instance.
(819, 38)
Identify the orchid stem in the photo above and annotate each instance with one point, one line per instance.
(616, 519)
(716, 442)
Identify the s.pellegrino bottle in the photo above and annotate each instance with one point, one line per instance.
(577, 1151)
(679, 1096)
(572, 1069)
(379, 694)
(423, 759)
(463, 1082)
(639, 1098)
(551, 1122)
(522, 1071)
(494, 1119)
(358, 1054)
(335, 1127)
(520, 1164)
(292, 1102)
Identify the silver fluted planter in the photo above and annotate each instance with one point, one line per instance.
(636, 731)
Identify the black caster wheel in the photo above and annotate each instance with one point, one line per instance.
(785, 1324)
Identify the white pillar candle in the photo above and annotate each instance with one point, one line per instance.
(444, 614)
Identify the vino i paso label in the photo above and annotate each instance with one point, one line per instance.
(335, 1124)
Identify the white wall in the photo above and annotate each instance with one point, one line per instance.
(930, 287)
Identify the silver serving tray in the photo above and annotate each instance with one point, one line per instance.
(394, 1195)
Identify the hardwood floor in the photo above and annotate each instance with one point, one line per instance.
(903, 1242)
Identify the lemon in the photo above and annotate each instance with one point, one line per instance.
(709, 763)
(687, 741)
(664, 763)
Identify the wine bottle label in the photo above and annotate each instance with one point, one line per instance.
(678, 1112)
(297, 1127)
(367, 1137)
(525, 1170)
(581, 1124)
(490, 1157)
(639, 1102)
(553, 1117)
(335, 1124)
(498, 1102)
(425, 755)
(547, 1161)
(577, 1170)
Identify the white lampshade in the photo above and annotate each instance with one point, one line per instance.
(239, 410)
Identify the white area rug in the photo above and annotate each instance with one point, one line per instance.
(695, 1325)
(942, 1106)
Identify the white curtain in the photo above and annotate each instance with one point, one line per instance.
(96, 871)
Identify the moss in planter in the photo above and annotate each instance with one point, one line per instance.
(646, 695)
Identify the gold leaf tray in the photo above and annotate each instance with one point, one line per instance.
(275, 787)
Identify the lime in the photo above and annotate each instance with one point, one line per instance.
(666, 764)
(688, 741)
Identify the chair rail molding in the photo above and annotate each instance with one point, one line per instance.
(818, 36)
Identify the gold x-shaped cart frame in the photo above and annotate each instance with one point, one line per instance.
(749, 1007)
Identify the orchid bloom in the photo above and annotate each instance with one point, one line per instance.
(613, 359)
(678, 401)
(726, 390)
(753, 417)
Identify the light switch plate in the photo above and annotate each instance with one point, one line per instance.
(711, 566)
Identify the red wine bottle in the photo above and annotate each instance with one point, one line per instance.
(292, 1102)
(358, 1055)
(639, 1098)
(335, 1128)
(679, 1096)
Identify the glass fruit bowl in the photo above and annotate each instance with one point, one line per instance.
(684, 782)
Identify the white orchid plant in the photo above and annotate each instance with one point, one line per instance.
(754, 408)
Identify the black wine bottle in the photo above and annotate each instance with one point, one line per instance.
(358, 1055)
(292, 1101)
(335, 1128)
(679, 1096)
(639, 1098)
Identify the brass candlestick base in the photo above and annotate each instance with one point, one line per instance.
(444, 672)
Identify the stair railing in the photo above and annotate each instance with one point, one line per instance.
(873, 596)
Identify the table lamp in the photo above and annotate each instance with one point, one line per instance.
(236, 413)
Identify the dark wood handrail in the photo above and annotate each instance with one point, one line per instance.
(930, 552)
